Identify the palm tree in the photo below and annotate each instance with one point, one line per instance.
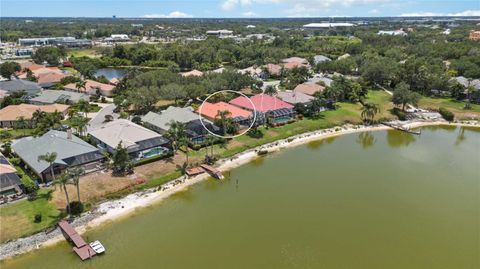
(175, 134)
(50, 159)
(221, 119)
(184, 142)
(38, 115)
(81, 85)
(72, 112)
(22, 123)
(63, 180)
(83, 106)
(270, 90)
(369, 110)
(75, 173)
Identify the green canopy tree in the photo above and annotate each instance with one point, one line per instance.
(8, 69)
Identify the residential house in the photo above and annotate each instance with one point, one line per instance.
(10, 182)
(254, 72)
(47, 80)
(160, 122)
(71, 152)
(139, 141)
(58, 97)
(10, 115)
(474, 35)
(320, 59)
(294, 98)
(267, 107)
(274, 69)
(309, 88)
(92, 87)
(210, 111)
(8, 87)
(295, 62)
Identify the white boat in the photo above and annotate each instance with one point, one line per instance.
(97, 247)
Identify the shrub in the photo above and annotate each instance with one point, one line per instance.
(103, 100)
(29, 184)
(15, 161)
(401, 115)
(446, 114)
(123, 115)
(76, 208)
(38, 218)
(255, 133)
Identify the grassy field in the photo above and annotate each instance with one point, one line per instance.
(23, 212)
(17, 219)
(83, 52)
(16, 133)
(451, 104)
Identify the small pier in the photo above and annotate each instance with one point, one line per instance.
(194, 171)
(401, 128)
(81, 248)
(212, 171)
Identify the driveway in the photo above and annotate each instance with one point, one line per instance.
(99, 119)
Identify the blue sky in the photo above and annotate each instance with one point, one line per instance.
(235, 8)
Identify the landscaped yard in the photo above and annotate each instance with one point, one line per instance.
(83, 52)
(18, 218)
(451, 104)
(16, 133)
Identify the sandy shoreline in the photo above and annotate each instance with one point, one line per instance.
(113, 210)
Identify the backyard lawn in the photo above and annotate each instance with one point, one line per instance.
(451, 104)
(14, 134)
(17, 219)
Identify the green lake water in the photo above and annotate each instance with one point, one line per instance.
(370, 200)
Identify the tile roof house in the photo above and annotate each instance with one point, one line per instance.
(210, 112)
(47, 80)
(273, 69)
(9, 115)
(320, 59)
(10, 182)
(295, 62)
(92, 87)
(194, 73)
(267, 106)
(160, 122)
(17, 85)
(309, 88)
(59, 97)
(71, 152)
(293, 98)
(139, 141)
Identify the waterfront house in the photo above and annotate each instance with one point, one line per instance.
(267, 106)
(10, 115)
(210, 112)
(160, 122)
(139, 141)
(10, 182)
(8, 87)
(92, 87)
(293, 97)
(309, 88)
(71, 152)
(58, 96)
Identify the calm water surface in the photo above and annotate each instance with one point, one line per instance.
(371, 200)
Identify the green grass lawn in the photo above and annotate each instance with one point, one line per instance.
(83, 52)
(16, 133)
(451, 104)
(19, 217)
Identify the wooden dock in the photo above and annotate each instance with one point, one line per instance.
(214, 172)
(81, 248)
(401, 128)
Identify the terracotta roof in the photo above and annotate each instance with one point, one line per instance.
(273, 69)
(12, 112)
(262, 102)
(194, 72)
(296, 60)
(91, 85)
(295, 97)
(309, 88)
(210, 110)
(50, 78)
(291, 65)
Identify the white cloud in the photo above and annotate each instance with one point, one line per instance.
(374, 11)
(249, 14)
(229, 4)
(173, 14)
(311, 5)
(435, 14)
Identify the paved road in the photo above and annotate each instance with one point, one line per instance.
(99, 120)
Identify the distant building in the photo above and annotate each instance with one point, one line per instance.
(250, 26)
(67, 41)
(393, 33)
(23, 52)
(474, 35)
(117, 38)
(71, 152)
(220, 33)
(137, 25)
(446, 32)
(295, 62)
(327, 25)
(320, 59)
(192, 73)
